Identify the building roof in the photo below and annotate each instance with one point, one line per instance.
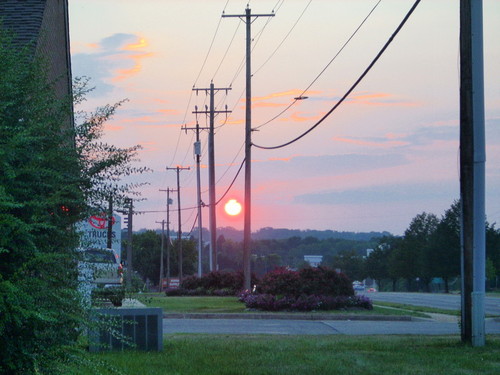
(44, 26)
(24, 18)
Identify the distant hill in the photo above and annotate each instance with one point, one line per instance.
(282, 233)
(269, 233)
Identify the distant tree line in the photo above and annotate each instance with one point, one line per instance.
(266, 254)
(429, 251)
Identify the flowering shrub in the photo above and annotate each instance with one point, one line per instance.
(309, 289)
(211, 284)
(324, 281)
(281, 281)
(191, 282)
(308, 281)
(269, 302)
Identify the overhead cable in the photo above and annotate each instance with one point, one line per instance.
(283, 41)
(204, 205)
(351, 88)
(324, 69)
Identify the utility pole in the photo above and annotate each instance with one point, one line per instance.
(109, 238)
(130, 206)
(247, 18)
(160, 283)
(179, 236)
(169, 202)
(197, 152)
(211, 169)
(472, 172)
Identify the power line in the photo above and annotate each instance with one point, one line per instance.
(196, 80)
(210, 48)
(324, 69)
(204, 205)
(232, 183)
(227, 50)
(283, 41)
(351, 88)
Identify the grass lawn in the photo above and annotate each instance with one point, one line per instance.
(307, 355)
(232, 305)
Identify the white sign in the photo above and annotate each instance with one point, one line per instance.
(95, 232)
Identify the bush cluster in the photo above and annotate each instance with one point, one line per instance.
(308, 281)
(308, 289)
(115, 295)
(214, 283)
(269, 302)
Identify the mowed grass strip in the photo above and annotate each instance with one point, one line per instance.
(196, 304)
(311, 355)
(203, 304)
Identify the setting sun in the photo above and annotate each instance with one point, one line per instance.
(232, 207)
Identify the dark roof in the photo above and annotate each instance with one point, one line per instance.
(24, 18)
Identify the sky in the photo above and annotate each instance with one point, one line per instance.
(389, 152)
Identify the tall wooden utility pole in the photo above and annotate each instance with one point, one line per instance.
(472, 171)
(160, 283)
(197, 152)
(109, 237)
(179, 236)
(211, 169)
(247, 18)
(130, 206)
(169, 202)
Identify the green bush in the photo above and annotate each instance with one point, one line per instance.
(115, 295)
(214, 283)
(308, 281)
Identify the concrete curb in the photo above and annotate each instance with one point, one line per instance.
(290, 316)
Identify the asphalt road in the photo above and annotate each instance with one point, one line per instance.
(437, 300)
(326, 327)
(345, 327)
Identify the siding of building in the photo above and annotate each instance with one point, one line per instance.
(44, 26)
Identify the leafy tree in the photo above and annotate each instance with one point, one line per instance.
(376, 265)
(350, 263)
(230, 256)
(395, 266)
(103, 166)
(416, 249)
(493, 249)
(40, 198)
(47, 184)
(445, 246)
(146, 255)
(189, 257)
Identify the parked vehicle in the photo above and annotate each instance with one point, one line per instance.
(358, 286)
(100, 268)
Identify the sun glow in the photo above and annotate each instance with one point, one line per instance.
(232, 207)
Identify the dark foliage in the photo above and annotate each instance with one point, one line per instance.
(212, 284)
(307, 281)
(269, 302)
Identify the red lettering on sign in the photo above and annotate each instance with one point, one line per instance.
(100, 222)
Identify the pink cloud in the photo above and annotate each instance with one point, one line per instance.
(268, 105)
(380, 99)
(386, 143)
(169, 111)
(301, 117)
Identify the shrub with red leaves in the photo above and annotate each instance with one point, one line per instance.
(308, 281)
